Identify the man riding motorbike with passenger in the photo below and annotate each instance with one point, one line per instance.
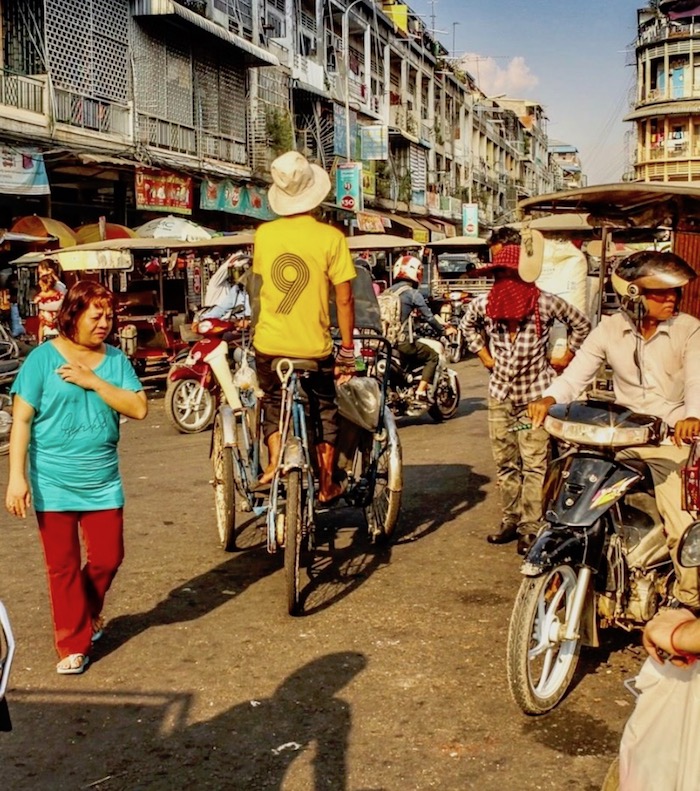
(408, 271)
(226, 290)
(654, 352)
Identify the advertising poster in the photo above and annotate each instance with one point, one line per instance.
(374, 141)
(470, 219)
(340, 131)
(348, 186)
(158, 190)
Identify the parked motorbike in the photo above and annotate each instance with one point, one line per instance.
(193, 392)
(451, 311)
(600, 559)
(10, 362)
(444, 391)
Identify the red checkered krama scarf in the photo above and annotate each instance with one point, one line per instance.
(511, 298)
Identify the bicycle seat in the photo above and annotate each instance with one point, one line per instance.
(297, 364)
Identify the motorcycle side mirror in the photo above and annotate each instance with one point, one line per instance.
(689, 547)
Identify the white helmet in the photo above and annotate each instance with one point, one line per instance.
(648, 269)
(408, 267)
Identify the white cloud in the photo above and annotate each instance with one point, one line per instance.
(514, 80)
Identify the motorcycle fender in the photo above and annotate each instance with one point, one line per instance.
(228, 425)
(562, 544)
(395, 482)
(579, 488)
(198, 371)
(588, 627)
(453, 379)
(293, 455)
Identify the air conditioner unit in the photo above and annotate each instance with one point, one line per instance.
(217, 11)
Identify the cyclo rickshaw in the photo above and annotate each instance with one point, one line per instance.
(368, 450)
(587, 568)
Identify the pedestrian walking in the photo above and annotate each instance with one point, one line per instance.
(68, 397)
(508, 329)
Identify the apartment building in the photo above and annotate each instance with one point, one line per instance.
(125, 108)
(567, 157)
(666, 112)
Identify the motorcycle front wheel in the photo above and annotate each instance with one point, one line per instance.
(446, 399)
(454, 349)
(540, 663)
(189, 406)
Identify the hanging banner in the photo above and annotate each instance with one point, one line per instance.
(470, 219)
(340, 131)
(348, 186)
(247, 199)
(374, 141)
(22, 172)
(162, 191)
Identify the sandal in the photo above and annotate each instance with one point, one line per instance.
(72, 665)
(98, 628)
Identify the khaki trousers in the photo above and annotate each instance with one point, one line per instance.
(665, 462)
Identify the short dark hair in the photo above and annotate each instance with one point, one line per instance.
(77, 300)
(505, 235)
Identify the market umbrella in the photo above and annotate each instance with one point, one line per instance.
(174, 228)
(91, 232)
(45, 226)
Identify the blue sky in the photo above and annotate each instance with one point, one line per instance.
(569, 56)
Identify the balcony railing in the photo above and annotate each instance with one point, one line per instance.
(187, 140)
(86, 112)
(24, 93)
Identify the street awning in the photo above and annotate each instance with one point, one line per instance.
(255, 56)
(418, 231)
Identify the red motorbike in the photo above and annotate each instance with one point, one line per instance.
(193, 387)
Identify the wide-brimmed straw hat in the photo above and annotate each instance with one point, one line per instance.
(531, 254)
(298, 186)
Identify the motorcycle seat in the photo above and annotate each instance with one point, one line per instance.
(8, 366)
(298, 364)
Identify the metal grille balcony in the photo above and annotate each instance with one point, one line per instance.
(24, 93)
(86, 112)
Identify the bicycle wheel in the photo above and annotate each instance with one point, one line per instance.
(292, 539)
(382, 513)
(224, 488)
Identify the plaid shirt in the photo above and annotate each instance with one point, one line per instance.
(521, 370)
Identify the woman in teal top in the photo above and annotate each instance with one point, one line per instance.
(68, 396)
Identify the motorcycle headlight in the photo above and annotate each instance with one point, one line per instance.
(204, 327)
(455, 295)
(603, 436)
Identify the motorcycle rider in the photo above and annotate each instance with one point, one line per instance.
(227, 290)
(515, 319)
(654, 352)
(409, 269)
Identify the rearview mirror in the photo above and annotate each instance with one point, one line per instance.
(689, 547)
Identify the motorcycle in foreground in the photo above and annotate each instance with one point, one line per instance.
(192, 393)
(600, 559)
(7, 651)
(444, 391)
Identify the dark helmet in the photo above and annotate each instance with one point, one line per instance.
(648, 269)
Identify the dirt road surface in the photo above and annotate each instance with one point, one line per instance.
(394, 679)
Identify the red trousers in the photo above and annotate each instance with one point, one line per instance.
(77, 594)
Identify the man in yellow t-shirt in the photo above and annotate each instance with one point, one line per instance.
(296, 261)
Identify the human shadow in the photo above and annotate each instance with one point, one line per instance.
(147, 741)
(467, 406)
(435, 494)
(192, 599)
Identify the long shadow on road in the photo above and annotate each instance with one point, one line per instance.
(146, 740)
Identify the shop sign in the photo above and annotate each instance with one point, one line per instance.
(470, 219)
(422, 236)
(162, 191)
(369, 180)
(370, 223)
(374, 142)
(23, 172)
(226, 196)
(348, 186)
